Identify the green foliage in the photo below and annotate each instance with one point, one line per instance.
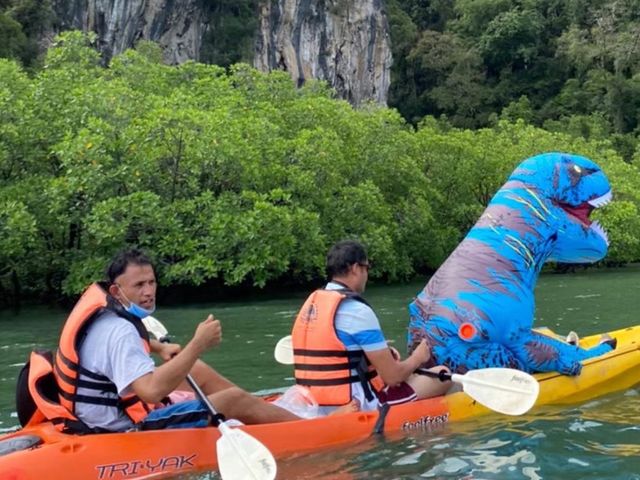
(511, 37)
(17, 231)
(13, 41)
(463, 61)
(469, 60)
(239, 177)
(22, 26)
(229, 38)
(518, 110)
(35, 16)
(73, 49)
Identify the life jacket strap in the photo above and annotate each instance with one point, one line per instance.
(74, 397)
(99, 386)
(66, 425)
(77, 368)
(357, 354)
(132, 400)
(364, 375)
(326, 382)
(357, 361)
(326, 368)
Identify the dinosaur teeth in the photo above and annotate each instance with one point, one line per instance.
(601, 201)
(599, 230)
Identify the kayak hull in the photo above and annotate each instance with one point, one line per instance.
(154, 454)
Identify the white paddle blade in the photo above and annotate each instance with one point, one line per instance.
(154, 327)
(283, 352)
(242, 457)
(504, 390)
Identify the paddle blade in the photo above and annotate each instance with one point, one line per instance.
(283, 352)
(504, 390)
(155, 328)
(242, 457)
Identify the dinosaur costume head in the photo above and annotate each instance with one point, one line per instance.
(571, 187)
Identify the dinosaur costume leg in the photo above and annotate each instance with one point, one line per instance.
(461, 356)
(537, 353)
(531, 351)
(543, 353)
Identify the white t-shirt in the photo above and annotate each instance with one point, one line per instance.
(112, 348)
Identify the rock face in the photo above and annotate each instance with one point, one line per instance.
(345, 42)
(177, 25)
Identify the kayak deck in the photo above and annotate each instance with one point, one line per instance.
(153, 454)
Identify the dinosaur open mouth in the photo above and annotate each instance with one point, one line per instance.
(583, 211)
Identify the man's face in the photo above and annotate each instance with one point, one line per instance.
(136, 284)
(361, 274)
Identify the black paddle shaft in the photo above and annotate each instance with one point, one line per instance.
(443, 375)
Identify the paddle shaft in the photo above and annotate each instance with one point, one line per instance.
(239, 454)
(442, 374)
(457, 378)
(215, 416)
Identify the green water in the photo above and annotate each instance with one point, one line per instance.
(598, 440)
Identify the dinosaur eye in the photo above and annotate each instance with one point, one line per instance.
(577, 169)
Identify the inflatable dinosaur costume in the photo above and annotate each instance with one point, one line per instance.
(477, 310)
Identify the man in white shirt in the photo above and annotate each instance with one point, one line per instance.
(115, 365)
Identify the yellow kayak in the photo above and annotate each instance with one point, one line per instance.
(612, 372)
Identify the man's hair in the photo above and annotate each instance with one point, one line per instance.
(123, 259)
(342, 255)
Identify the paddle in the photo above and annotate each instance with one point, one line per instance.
(504, 390)
(283, 352)
(240, 456)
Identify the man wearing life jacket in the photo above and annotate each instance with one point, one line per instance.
(340, 351)
(110, 382)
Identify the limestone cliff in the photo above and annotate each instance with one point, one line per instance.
(177, 25)
(343, 42)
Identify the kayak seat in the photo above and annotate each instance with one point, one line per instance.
(47, 388)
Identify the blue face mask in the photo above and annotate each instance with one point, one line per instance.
(136, 309)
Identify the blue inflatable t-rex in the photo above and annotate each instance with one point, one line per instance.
(477, 310)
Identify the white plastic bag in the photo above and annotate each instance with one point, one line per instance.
(299, 401)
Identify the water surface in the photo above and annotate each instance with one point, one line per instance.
(598, 439)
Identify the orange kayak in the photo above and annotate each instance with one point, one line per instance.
(154, 454)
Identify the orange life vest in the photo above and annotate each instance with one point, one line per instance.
(37, 395)
(67, 362)
(321, 361)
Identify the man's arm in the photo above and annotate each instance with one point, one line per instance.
(357, 324)
(156, 385)
(393, 371)
(166, 351)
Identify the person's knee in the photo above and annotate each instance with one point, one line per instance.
(209, 379)
(229, 401)
(230, 395)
